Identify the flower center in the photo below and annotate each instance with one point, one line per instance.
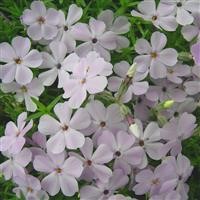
(176, 114)
(106, 192)
(58, 170)
(155, 181)
(94, 40)
(29, 189)
(89, 162)
(59, 66)
(65, 127)
(141, 143)
(154, 18)
(41, 20)
(24, 89)
(171, 71)
(65, 28)
(118, 153)
(83, 81)
(103, 124)
(164, 89)
(139, 100)
(154, 55)
(18, 61)
(179, 4)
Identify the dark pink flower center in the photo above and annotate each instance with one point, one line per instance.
(65, 127)
(18, 61)
(89, 162)
(106, 192)
(41, 20)
(103, 124)
(94, 40)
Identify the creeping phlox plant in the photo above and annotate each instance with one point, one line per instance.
(117, 131)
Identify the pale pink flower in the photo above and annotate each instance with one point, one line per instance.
(175, 73)
(55, 63)
(62, 173)
(165, 90)
(103, 118)
(14, 140)
(102, 191)
(161, 17)
(177, 130)
(123, 149)
(30, 187)
(42, 23)
(192, 31)
(65, 26)
(183, 9)
(64, 132)
(119, 25)
(25, 92)
(153, 57)
(88, 76)
(95, 38)
(137, 86)
(15, 165)
(148, 139)
(162, 180)
(94, 162)
(18, 60)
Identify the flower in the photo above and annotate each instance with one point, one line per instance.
(190, 32)
(18, 60)
(95, 38)
(93, 162)
(104, 190)
(14, 140)
(153, 56)
(164, 90)
(176, 130)
(121, 145)
(192, 87)
(55, 63)
(161, 17)
(175, 73)
(15, 165)
(183, 9)
(88, 76)
(62, 173)
(104, 118)
(119, 25)
(25, 92)
(65, 26)
(65, 132)
(137, 87)
(30, 187)
(195, 50)
(149, 139)
(183, 170)
(162, 180)
(42, 23)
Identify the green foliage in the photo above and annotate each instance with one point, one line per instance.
(10, 26)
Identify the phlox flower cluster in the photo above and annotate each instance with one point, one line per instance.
(119, 126)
